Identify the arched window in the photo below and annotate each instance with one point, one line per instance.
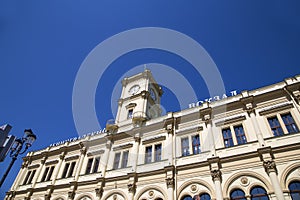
(237, 195)
(294, 188)
(259, 193)
(205, 196)
(187, 197)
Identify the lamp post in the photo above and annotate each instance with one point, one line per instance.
(28, 139)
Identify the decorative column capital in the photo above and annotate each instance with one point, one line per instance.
(170, 182)
(216, 175)
(131, 187)
(83, 150)
(137, 139)
(71, 194)
(47, 196)
(270, 166)
(99, 192)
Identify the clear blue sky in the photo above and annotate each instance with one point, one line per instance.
(43, 44)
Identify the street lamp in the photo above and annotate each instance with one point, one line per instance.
(28, 139)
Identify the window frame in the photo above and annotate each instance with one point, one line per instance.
(29, 177)
(48, 172)
(281, 122)
(69, 171)
(190, 146)
(92, 166)
(152, 155)
(232, 127)
(121, 162)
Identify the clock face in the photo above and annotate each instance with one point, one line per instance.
(134, 89)
(152, 94)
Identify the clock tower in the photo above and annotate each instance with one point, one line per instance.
(140, 98)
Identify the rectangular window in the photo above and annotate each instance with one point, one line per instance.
(92, 165)
(65, 170)
(48, 173)
(289, 123)
(89, 166)
(96, 164)
(130, 114)
(275, 126)
(124, 159)
(148, 154)
(157, 148)
(68, 170)
(45, 174)
(196, 144)
(227, 137)
(27, 177)
(117, 160)
(31, 177)
(185, 146)
(240, 134)
(71, 169)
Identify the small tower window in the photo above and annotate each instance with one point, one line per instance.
(130, 114)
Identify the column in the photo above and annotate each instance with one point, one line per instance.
(99, 189)
(20, 175)
(131, 185)
(170, 187)
(80, 162)
(57, 167)
(205, 114)
(104, 159)
(270, 168)
(169, 144)
(39, 170)
(135, 152)
(258, 133)
(216, 177)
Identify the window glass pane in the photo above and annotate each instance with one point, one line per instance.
(185, 146)
(148, 154)
(96, 164)
(205, 196)
(196, 144)
(240, 134)
(65, 170)
(50, 173)
(275, 126)
(124, 159)
(117, 160)
(71, 169)
(27, 177)
(157, 152)
(259, 193)
(187, 198)
(237, 194)
(89, 166)
(45, 174)
(294, 188)
(228, 142)
(289, 123)
(31, 177)
(130, 114)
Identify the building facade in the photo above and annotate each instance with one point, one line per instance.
(245, 146)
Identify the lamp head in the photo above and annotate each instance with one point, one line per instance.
(29, 136)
